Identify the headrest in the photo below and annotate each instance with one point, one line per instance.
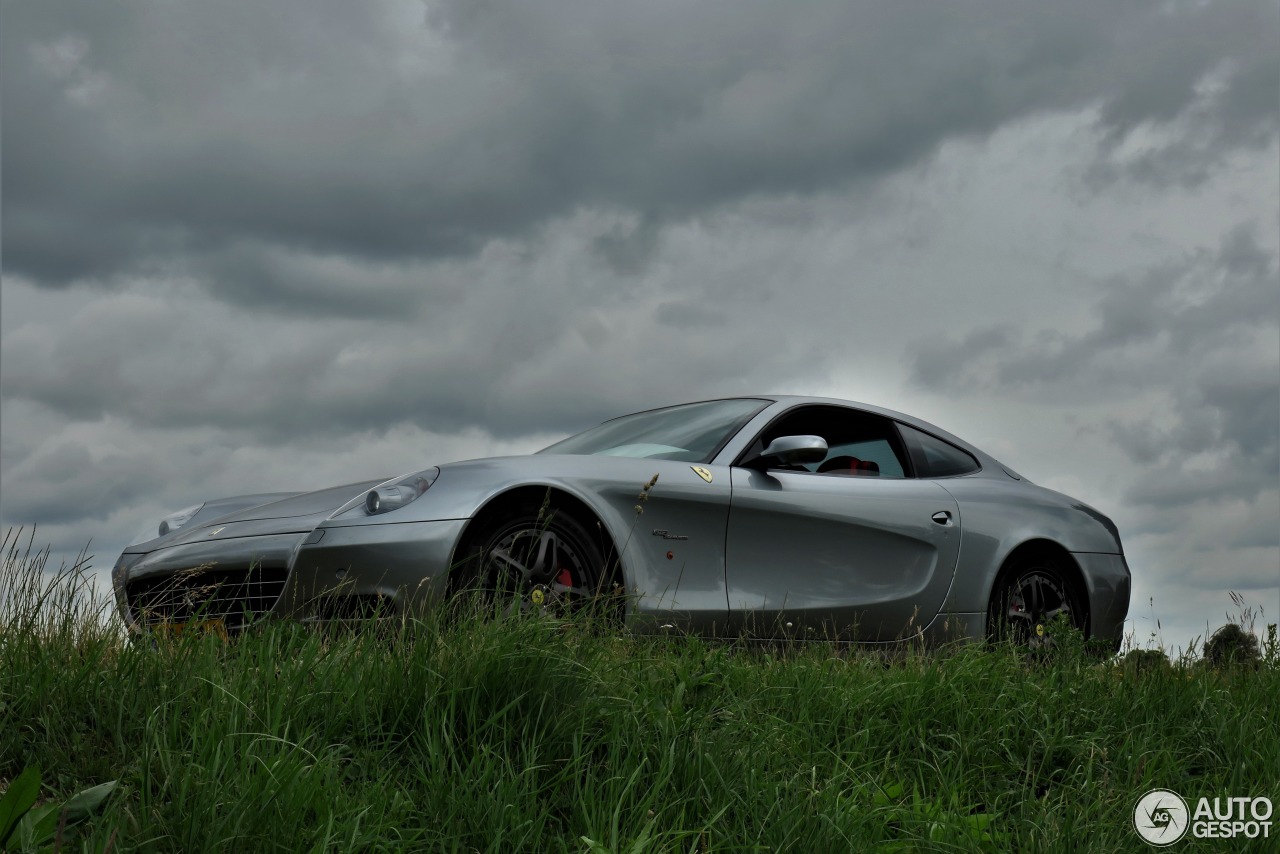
(849, 465)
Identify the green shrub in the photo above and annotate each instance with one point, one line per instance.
(1232, 645)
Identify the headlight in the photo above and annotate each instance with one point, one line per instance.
(388, 497)
(393, 494)
(167, 525)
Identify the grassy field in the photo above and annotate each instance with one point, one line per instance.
(534, 734)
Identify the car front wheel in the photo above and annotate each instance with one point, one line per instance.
(537, 559)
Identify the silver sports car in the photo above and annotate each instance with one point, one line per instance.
(771, 516)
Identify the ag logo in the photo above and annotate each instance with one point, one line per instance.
(705, 474)
(1161, 817)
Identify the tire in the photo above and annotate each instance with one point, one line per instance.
(536, 559)
(1029, 599)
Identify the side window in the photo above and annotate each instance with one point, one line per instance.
(859, 444)
(934, 457)
(876, 451)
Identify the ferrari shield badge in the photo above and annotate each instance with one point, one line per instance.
(705, 474)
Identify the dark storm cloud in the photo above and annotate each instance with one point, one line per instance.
(184, 138)
(565, 347)
(1202, 333)
(315, 284)
(1236, 421)
(628, 248)
(66, 484)
(1190, 123)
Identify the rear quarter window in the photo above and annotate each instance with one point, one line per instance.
(932, 457)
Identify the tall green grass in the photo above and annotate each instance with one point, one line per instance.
(538, 734)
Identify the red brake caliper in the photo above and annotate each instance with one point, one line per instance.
(565, 578)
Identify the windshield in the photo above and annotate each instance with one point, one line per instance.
(689, 433)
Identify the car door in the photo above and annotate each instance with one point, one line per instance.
(866, 552)
(820, 555)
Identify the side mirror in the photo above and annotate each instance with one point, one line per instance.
(795, 450)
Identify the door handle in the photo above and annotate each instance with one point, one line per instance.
(942, 517)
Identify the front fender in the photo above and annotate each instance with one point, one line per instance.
(680, 575)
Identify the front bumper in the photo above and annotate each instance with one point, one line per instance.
(356, 571)
(327, 574)
(232, 581)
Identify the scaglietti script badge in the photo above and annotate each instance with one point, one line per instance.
(705, 474)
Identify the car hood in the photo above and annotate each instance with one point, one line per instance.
(298, 513)
(304, 504)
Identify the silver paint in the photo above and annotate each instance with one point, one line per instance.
(764, 549)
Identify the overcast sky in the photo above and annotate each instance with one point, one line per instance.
(257, 246)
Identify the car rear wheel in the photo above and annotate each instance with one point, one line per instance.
(537, 559)
(1034, 600)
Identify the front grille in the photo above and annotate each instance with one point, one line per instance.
(233, 596)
